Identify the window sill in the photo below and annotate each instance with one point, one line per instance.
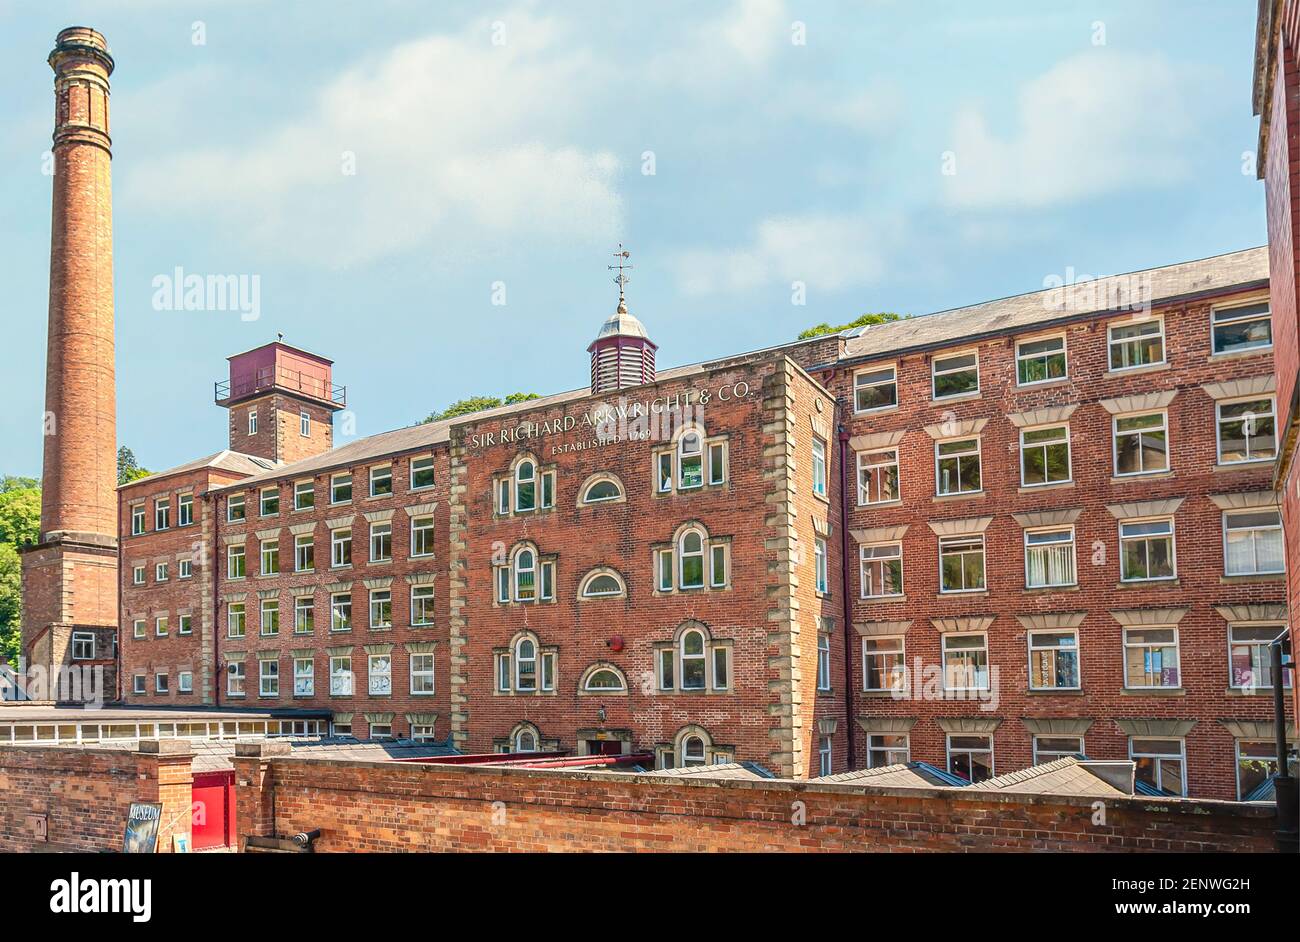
(1139, 370)
(883, 599)
(970, 593)
(1255, 465)
(882, 411)
(879, 503)
(1139, 478)
(1153, 692)
(885, 694)
(1063, 692)
(1048, 589)
(1054, 486)
(1150, 584)
(1253, 577)
(1239, 354)
(304, 510)
(1253, 692)
(370, 497)
(1043, 384)
(949, 400)
(949, 498)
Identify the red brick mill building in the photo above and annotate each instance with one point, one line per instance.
(1052, 514)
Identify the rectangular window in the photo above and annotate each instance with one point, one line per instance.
(503, 584)
(503, 672)
(961, 563)
(421, 605)
(1051, 748)
(381, 542)
(1146, 550)
(304, 677)
(1134, 345)
(667, 663)
(1044, 456)
(1053, 660)
(83, 645)
(160, 683)
(184, 624)
(882, 569)
(162, 514)
(875, 389)
(137, 519)
(270, 557)
(721, 667)
(137, 575)
(718, 553)
(341, 547)
(304, 495)
(304, 614)
(268, 678)
(820, 566)
(717, 462)
(825, 760)
(884, 664)
(548, 489)
(955, 375)
(381, 608)
(664, 570)
(1141, 444)
(421, 536)
(270, 612)
(341, 611)
(185, 510)
(379, 671)
(1252, 543)
(878, 476)
(304, 424)
(235, 673)
(421, 675)
(957, 467)
(252, 421)
(1256, 765)
(819, 467)
(160, 626)
(381, 481)
(184, 569)
(690, 462)
(1159, 764)
(137, 628)
(340, 488)
(160, 572)
(971, 757)
(304, 552)
(185, 682)
(421, 472)
(269, 502)
(887, 749)
(823, 661)
(665, 476)
(137, 684)
(965, 661)
(1250, 662)
(1247, 431)
(548, 581)
(235, 561)
(235, 508)
(341, 676)
(1040, 361)
(1247, 327)
(1049, 558)
(422, 733)
(235, 620)
(1151, 657)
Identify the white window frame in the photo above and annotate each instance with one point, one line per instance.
(823, 661)
(424, 673)
(340, 611)
(425, 592)
(379, 676)
(304, 681)
(137, 575)
(1069, 455)
(304, 561)
(1255, 538)
(337, 481)
(871, 373)
(1111, 343)
(519, 480)
(821, 565)
(236, 551)
(1218, 429)
(263, 495)
(422, 533)
(236, 679)
(233, 503)
(1055, 649)
(1042, 756)
(304, 424)
(1114, 442)
(252, 421)
(961, 655)
(375, 610)
(162, 513)
(1265, 662)
(1266, 317)
(80, 640)
(268, 562)
(518, 660)
(378, 532)
(1181, 756)
(421, 460)
(819, 466)
(947, 356)
(1074, 555)
(864, 493)
(185, 682)
(895, 655)
(268, 681)
(160, 572)
(299, 609)
(889, 751)
(979, 461)
(184, 510)
(337, 542)
(867, 557)
(378, 474)
(825, 756)
(1173, 548)
(236, 615)
(301, 490)
(137, 519)
(138, 682)
(184, 569)
(969, 750)
(984, 552)
(1178, 656)
(1022, 357)
(342, 681)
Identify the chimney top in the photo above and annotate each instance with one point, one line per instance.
(84, 40)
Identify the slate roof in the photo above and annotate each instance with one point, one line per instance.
(1067, 776)
(903, 775)
(224, 460)
(729, 770)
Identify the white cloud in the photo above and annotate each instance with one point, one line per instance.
(723, 52)
(458, 144)
(825, 251)
(1097, 122)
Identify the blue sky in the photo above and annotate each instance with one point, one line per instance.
(791, 141)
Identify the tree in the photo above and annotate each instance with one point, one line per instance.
(20, 516)
(882, 317)
(11, 604)
(476, 404)
(128, 469)
(13, 482)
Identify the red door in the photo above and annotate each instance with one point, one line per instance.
(213, 817)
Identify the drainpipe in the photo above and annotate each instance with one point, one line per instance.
(1284, 786)
(845, 556)
(216, 598)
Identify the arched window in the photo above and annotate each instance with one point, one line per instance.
(605, 679)
(693, 661)
(693, 751)
(526, 664)
(690, 461)
(602, 583)
(603, 489)
(525, 486)
(691, 560)
(525, 576)
(525, 741)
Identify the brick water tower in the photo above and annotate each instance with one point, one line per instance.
(70, 575)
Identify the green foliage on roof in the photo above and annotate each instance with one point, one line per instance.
(866, 320)
(476, 404)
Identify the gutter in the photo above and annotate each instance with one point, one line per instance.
(844, 578)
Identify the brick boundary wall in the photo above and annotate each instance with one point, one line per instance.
(369, 806)
(85, 794)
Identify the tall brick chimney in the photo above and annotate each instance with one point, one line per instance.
(70, 577)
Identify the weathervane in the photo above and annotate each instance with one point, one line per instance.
(621, 279)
